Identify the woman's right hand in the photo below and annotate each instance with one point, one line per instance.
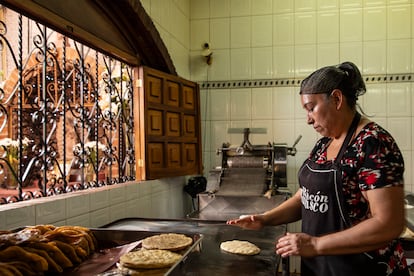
(253, 222)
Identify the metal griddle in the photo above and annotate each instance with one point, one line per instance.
(210, 260)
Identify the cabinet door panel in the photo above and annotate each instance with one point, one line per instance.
(171, 112)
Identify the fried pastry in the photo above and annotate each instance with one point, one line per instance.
(16, 253)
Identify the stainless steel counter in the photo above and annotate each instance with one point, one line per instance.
(210, 260)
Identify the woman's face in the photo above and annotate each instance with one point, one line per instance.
(321, 111)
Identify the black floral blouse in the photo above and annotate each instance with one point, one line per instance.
(373, 160)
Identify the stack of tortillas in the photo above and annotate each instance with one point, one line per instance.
(169, 241)
(240, 247)
(155, 256)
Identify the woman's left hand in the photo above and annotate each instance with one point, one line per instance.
(296, 244)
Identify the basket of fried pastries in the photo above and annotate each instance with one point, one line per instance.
(157, 254)
(44, 249)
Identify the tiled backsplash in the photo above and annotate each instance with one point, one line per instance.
(96, 207)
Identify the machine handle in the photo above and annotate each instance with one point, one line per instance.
(297, 140)
(292, 150)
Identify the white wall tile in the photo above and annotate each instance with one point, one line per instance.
(374, 24)
(283, 29)
(262, 63)
(327, 4)
(305, 5)
(283, 6)
(219, 8)
(100, 217)
(346, 4)
(199, 34)
(284, 131)
(241, 64)
(262, 7)
(261, 106)
(283, 62)
(262, 138)
(77, 205)
(219, 133)
(50, 211)
(117, 195)
(240, 107)
(220, 67)
(99, 199)
(351, 51)
(399, 22)
(220, 104)
(305, 28)
(144, 206)
(220, 33)
(408, 174)
(283, 102)
(145, 188)
(160, 13)
(328, 54)
(3, 221)
(184, 6)
(117, 211)
(131, 208)
(81, 220)
(350, 25)
(262, 34)
(179, 55)
(412, 55)
(305, 60)
(328, 27)
(240, 32)
(198, 8)
(382, 121)
(400, 129)
(206, 134)
(398, 100)
(375, 57)
(398, 2)
(375, 100)
(180, 27)
(374, 3)
(131, 191)
(399, 56)
(19, 217)
(215, 159)
(240, 7)
(205, 104)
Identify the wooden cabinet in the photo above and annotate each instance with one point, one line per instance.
(169, 114)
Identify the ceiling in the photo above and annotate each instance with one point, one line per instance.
(120, 28)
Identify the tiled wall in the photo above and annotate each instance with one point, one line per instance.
(172, 20)
(276, 39)
(100, 206)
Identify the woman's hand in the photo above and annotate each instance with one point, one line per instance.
(297, 244)
(253, 222)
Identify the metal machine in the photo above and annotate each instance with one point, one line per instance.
(247, 181)
(250, 169)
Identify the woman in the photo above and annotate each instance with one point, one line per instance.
(351, 192)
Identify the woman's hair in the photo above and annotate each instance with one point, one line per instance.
(345, 77)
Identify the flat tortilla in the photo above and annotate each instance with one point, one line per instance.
(152, 258)
(170, 241)
(240, 247)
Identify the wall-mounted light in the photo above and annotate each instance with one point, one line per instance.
(207, 53)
